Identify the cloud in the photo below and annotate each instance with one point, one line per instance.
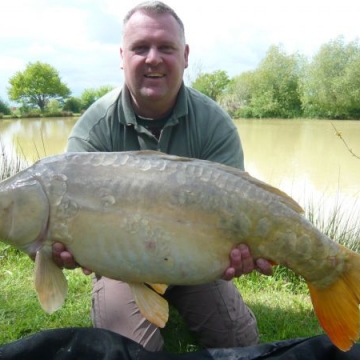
(81, 38)
(78, 38)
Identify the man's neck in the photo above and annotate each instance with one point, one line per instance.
(152, 110)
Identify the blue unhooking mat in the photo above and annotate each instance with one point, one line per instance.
(98, 344)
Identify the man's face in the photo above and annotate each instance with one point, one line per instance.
(154, 57)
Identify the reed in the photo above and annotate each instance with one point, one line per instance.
(9, 165)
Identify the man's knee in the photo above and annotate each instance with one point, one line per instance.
(217, 313)
(114, 308)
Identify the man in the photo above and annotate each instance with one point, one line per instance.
(156, 111)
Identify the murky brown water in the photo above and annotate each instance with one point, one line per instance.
(306, 159)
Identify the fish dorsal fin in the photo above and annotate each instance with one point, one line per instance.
(50, 282)
(283, 197)
(164, 156)
(151, 305)
(159, 288)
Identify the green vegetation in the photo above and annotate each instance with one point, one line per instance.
(20, 312)
(282, 86)
(4, 108)
(36, 85)
(290, 86)
(212, 85)
(41, 92)
(89, 96)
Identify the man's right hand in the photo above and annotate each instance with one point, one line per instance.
(64, 259)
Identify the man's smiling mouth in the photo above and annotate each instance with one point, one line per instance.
(154, 75)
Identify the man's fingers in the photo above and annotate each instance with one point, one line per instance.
(229, 274)
(86, 271)
(57, 249)
(242, 262)
(264, 267)
(68, 260)
(64, 259)
(62, 256)
(246, 260)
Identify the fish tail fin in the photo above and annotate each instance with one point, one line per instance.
(337, 306)
(151, 305)
(50, 282)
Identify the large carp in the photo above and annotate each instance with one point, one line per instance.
(147, 217)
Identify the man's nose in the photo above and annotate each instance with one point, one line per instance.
(153, 56)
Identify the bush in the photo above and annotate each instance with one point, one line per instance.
(32, 114)
(59, 114)
(244, 112)
(73, 104)
(4, 108)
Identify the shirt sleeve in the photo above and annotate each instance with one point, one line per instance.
(93, 131)
(224, 146)
(220, 140)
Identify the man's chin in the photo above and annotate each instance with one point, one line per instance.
(153, 94)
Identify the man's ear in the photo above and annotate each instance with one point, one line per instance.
(186, 55)
(121, 57)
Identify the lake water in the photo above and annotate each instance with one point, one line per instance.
(305, 158)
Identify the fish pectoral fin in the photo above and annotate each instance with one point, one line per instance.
(337, 306)
(152, 306)
(272, 262)
(159, 288)
(50, 282)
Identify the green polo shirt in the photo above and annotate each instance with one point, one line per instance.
(197, 127)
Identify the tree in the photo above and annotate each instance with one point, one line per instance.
(276, 90)
(89, 96)
(212, 84)
(236, 98)
(4, 108)
(36, 85)
(331, 83)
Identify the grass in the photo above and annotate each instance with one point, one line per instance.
(281, 303)
(20, 312)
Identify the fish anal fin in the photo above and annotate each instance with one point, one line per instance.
(152, 306)
(50, 282)
(159, 288)
(337, 306)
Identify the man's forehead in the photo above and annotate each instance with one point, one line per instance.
(146, 22)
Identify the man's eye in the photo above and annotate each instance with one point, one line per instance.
(139, 49)
(166, 48)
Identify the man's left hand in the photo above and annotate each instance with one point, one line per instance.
(242, 262)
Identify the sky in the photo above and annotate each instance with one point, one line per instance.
(81, 38)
